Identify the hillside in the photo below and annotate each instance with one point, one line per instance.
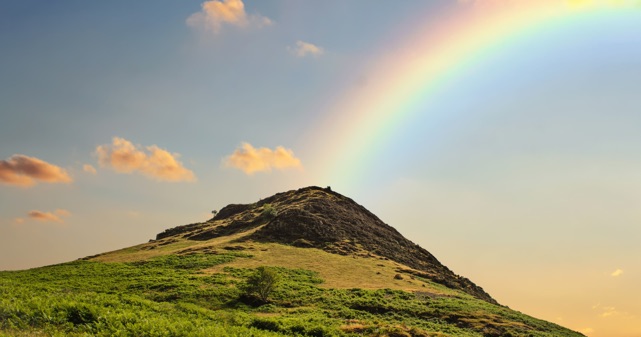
(343, 273)
(320, 218)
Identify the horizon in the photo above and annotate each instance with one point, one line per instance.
(500, 136)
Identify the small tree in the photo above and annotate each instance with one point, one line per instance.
(262, 283)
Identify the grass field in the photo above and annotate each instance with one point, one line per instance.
(157, 292)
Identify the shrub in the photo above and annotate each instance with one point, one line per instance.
(319, 331)
(265, 324)
(81, 314)
(269, 212)
(262, 283)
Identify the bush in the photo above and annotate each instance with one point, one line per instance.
(319, 331)
(265, 324)
(80, 314)
(269, 212)
(262, 283)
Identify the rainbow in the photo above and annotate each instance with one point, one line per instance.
(406, 82)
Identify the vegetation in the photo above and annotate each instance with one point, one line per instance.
(262, 283)
(269, 211)
(198, 294)
(219, 278)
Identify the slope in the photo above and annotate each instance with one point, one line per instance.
(320, 218)
(189, 282)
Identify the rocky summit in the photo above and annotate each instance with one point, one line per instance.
(321, 218)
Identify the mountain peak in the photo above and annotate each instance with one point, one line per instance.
(318, 217)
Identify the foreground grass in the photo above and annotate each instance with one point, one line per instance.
(170, 295)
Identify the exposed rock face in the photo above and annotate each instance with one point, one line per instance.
(321, 218)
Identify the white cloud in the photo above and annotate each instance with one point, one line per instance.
(303, 49)
(215, 14)
(251, 160)
(617, 273)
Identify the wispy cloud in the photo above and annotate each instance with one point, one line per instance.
(586, 331)
(609, 311)
(56, 216)
(89, 169)
(215, 14)
(251, 160)
(25, 171)
(303, 49)
(124, 157)
(617, 273)
(133, 214)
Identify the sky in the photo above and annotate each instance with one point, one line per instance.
(503, 136)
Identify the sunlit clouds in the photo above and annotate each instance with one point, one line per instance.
(215, 14)
(586, 331)
(251, 160)
(303, 49)
(89, 169)
(55, 216)
(609, 311)
(25, 171)
(617, 273)
(123, 156)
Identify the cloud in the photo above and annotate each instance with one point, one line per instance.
(617, 273)
(251, 160)
(609, 311)
(586, 331)
(303, 49)
(48, 216)
(24, 171)
(133, 214)
(89, 169)
(124, 157)
(214, 14)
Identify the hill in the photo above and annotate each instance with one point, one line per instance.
(320, 218)
(343, 273)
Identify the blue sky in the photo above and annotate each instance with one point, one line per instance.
(523, 174)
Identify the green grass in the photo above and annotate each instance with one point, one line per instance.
(171, 295)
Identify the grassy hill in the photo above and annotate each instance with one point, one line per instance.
(191, 282)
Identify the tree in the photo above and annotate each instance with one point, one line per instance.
(262, 283)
